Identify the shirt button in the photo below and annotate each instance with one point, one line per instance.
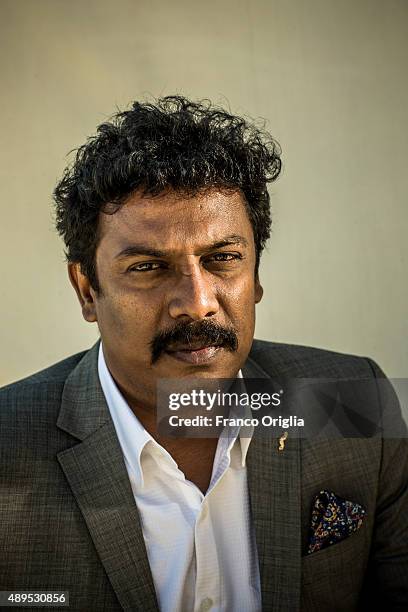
(206, 604)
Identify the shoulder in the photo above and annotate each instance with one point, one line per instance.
(304, 361)
(43, 386)
(29, 410)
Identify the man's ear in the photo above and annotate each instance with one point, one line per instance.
(258, 290)
(84, 292)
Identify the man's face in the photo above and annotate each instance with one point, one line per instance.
(178, 288)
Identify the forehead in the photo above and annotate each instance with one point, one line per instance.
(174, 220)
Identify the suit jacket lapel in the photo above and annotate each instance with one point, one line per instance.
(274, 488)
(97, 474)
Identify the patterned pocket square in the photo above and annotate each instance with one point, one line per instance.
(333, 519)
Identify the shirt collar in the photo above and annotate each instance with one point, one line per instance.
(133, 437)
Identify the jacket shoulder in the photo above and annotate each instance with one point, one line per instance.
(52, 377)
(305, 361)
(29, 411)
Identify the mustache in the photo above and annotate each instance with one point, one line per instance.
(207, 332)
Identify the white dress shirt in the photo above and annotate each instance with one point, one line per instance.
(201, 548)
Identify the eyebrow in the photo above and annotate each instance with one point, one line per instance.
(140, 249)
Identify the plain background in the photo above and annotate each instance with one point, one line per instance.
(330, 78)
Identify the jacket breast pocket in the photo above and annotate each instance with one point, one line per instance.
(332, 578)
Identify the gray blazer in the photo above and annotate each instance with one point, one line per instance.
(68, 519)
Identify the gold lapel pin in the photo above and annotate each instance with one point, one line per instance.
(282, 440)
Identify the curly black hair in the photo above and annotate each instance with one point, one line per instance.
(173, 143)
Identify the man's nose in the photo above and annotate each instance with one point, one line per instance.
(193, 296)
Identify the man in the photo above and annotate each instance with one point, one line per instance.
(165, 213)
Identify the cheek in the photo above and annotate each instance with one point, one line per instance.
(125, 316)
(241, 290)
(238, 300)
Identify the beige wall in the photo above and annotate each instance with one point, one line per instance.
(330, 76)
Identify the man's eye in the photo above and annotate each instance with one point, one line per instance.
(224, 257)
(145, 266)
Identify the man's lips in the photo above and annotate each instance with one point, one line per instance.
(195, 353)
(191, 346)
